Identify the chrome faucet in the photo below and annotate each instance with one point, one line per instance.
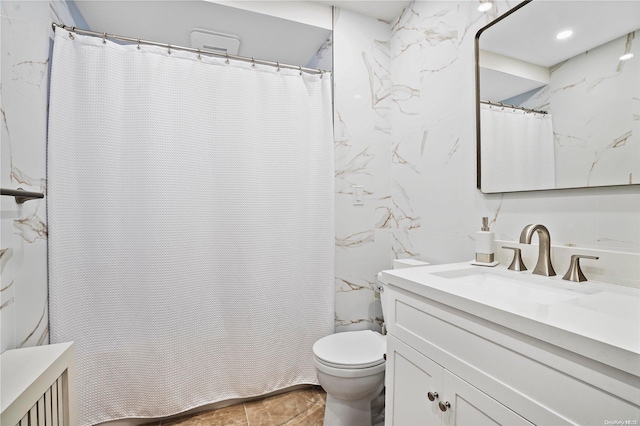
(543, 267)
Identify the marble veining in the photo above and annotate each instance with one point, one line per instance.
(362, 132)
(19, 177)
(355, 240)
(24, 86)
(10, 300)
(404, 215)
(346, 285)
(402, 245)
(357, 164)
(31, 228)
(594, 146)
(31, 72)
(397, 158)
(627, 49)
(617, 143)
(353, 324)
(5, 125)
(378, 79)
(44, 333)
(454, 149)
(5, 254)
(387, 218)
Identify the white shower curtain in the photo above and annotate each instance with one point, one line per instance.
(191, 217)
(518, 150)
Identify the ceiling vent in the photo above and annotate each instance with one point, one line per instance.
(217, 42)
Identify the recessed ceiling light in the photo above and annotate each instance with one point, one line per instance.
(627, 56)
(485, 6)
(564, 34)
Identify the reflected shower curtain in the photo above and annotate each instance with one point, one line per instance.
(191, 215)
(518, 152)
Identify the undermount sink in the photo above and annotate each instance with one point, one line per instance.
(523, 286)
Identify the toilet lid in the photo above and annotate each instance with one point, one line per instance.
(355, 349)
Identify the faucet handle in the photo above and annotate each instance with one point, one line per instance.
(574, 273)
(516, 264)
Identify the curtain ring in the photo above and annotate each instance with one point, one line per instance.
(71, 33)
(169, 48)
(104, 38)
(138, 44)
(227, 56)
(321, 73)
(278, 64)
(253, 62)
(199, 56)
(300, 68)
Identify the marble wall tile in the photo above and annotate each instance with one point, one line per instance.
(433, 125)
(7, 300)
(24, 85)
(362, 147)
(595, 145)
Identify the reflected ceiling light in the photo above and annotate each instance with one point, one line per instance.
(485, 6)
(627, 56)
(564, 34)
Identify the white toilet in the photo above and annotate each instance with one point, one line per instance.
(350, 368)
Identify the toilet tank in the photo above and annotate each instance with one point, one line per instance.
(397, 264)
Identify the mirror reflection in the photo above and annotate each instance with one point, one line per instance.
(558, 87)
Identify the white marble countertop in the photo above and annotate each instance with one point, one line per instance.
(596, 320)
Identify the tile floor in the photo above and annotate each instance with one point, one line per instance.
(303, 407)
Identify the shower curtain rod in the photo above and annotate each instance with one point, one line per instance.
(500, 104)
(171, 47)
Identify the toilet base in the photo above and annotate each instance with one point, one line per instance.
(347, 413)
(340, 412)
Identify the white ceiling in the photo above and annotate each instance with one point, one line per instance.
(262, 35)
(529, 34)
(385, 10)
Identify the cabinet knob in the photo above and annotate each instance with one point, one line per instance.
(432, 396)
(444, 406)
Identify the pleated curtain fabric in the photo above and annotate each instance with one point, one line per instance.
(191, 225)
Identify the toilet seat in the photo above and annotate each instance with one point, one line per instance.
(351, 350)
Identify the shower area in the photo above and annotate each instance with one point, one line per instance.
(190, 207)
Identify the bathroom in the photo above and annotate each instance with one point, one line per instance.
(404, 134)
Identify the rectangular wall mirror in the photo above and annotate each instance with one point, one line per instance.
(559, 110)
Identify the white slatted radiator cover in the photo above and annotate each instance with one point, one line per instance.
(38, 386)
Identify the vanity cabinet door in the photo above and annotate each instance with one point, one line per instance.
(413, 379)
(410, 377)
(470, 406)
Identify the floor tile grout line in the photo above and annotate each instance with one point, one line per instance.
(316, 391)
(304, 412)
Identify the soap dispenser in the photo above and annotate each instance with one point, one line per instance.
(485, 245)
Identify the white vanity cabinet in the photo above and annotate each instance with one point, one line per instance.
(493, 366)
(424, 393)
